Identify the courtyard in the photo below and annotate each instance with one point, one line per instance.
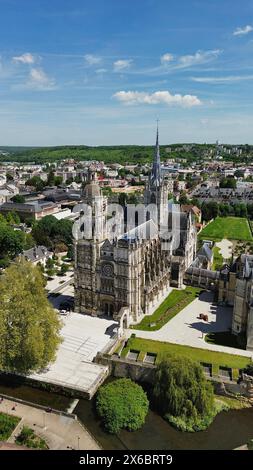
(83, 337)
(186, 328)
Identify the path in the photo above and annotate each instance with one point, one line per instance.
(60, 432)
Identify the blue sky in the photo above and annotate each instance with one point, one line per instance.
(100, 72)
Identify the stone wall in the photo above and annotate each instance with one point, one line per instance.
(137, 371)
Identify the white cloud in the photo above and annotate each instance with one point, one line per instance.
(242, 31)
(200, 57)
(158, 97)
(120, 65)
(166, 58)
(39, 80)
(26, 58)
(217, 80)
(92, 59)
(98, 71)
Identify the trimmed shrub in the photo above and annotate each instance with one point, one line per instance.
(122, 404)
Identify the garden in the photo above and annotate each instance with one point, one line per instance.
(171, 306)
(232, 228)
(7, 425)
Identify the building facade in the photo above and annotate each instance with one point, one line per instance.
(131, 268)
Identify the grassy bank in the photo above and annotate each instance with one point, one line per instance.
(161, 349)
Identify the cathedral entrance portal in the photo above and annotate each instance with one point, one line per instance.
(108, 309)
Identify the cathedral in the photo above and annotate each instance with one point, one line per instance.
(119, 265)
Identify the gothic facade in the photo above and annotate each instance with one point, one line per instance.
(132, 268)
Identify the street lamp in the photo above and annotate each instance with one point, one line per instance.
(44, 419)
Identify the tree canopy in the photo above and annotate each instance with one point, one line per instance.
(122, 404)
(49, 232)
(29, 326)
(182, 394)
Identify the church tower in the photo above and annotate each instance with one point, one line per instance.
(87, 249)
(156, 191)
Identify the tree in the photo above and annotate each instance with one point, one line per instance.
(182, 394)
(11, 241)
(122, 405)
(50, 232)
(18, 198)
(29, 326)
(50, 178)
(35, 182)
(13, 218)
(64, 269)
(228, 182)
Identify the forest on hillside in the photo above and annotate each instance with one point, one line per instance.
(108, 154)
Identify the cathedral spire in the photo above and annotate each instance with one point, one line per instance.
(155, 176)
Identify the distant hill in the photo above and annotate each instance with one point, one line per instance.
(108, 154)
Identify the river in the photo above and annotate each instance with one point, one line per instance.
(228, 430)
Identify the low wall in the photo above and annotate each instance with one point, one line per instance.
(137, 371)
(47, 386)
(40, 407)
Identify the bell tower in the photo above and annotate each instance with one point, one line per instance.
(156, 191)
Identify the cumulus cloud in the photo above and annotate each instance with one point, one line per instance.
(158, 97)
(26, 58)
(121, 64)
(242, 31)
(39, 80)
(166, 58)
(200, 57)
(92, 59)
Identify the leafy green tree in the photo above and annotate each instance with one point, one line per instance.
(29, 326)
(29, 241)
(49, 231)
(36, 182)
(228, 182)
(64, 269)
(18, 198)
(122, 405)
(58, 180)
(51, 178)
(13, 218)
(182, 394)
(11, 241)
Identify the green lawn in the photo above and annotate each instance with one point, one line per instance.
(7, 425)
(162, 349)
(173, 304)
(217, 259)
(232, 228)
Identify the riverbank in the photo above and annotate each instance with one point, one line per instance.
(61, 432)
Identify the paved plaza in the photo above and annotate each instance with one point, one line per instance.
(60, 432)
(83, 337)
(187, 329)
